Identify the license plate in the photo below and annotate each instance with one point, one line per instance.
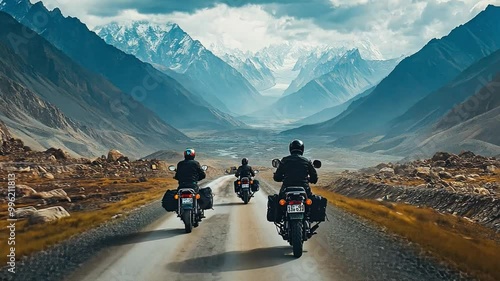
(299, 208)
(245, 185)
(187, 201)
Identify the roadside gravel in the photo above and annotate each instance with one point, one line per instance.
(58, 261)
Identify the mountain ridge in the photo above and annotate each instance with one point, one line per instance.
(71, 99)
(436, 64)
(142, 82)
(183, 58)
(351, 75)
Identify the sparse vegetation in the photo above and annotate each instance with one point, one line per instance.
(32, 238)
(471, 247)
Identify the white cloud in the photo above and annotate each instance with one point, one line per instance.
(395, 27)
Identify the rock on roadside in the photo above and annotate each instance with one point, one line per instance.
(59, 194)
(114, 155)
(24, 190)
(25, 212)
(48, 215)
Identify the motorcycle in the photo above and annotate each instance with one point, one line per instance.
(188, 209)
(296, 226)
(245, 189)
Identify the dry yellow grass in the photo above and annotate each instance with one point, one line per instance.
(469, 246)
(30, 239)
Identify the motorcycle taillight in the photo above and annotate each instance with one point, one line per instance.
(187, 195)
(244, 180)
(294, 202)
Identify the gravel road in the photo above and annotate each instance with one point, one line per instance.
(234, 242)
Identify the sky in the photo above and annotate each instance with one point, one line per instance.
(394, 27)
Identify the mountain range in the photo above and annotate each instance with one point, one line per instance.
(348, 76)
(278, 69)
(52, 101)
(255, 71)
(142, 82)
(332, 112)
(171, 49)
(132, 85)
(461, 115)
(431, 68)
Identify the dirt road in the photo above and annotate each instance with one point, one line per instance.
(235, 242)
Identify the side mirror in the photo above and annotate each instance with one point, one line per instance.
(276, 163)
(317, 164)
(256, 171)
(204, 167)
(171, 168)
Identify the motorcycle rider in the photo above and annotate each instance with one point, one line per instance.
(189, 171)
(295, 170)
(244, 170)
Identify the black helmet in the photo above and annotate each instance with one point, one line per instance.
(244, 161)
(189, 154)
(296, 146)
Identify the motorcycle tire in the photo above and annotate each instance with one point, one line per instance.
(246, 197)
(188, 221)
(297, 241)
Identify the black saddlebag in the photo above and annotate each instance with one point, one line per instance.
(318, 208)
(273, 214)
(168, 202)
(255, 186)
(206, 200)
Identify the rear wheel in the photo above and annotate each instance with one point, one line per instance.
(188, 221)
(297, 242)
(246, 197)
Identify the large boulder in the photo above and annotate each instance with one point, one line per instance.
(422, 172)
(114, 155)
(25, 212)
(491, 169)
(24, 190)
(59, 154)
(48, 176)
(58, 194)
(482, 191)
(441, 156)
(467, 155)
(48, 215)
(439, 163)
(387, 171)
(445, 175)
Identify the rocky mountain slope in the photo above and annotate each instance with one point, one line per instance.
(52, 100)
(349, 76)
(157, 91)
(434, 106)
(171, 49)
(255, 71)
(460, 116)
(332, 112)
(314, 65)
(473, 124)
(435, 65)
(41, 124)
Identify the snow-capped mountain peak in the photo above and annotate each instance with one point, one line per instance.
(172, 50)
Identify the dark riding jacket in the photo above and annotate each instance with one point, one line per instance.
(188, 173)
(245, 171)
(296, 170)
